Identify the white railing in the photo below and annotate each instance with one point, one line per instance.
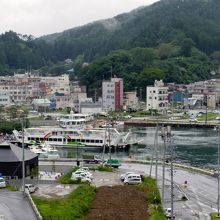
(34, 207)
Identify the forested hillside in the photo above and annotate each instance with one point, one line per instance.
(176, 40)
(139, 67)
(149, 26)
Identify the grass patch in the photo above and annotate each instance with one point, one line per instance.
(66, 178)
(156, 212)
(75, 206)
(214, 216)
(210, 116)
(152, 193)
(11, 188)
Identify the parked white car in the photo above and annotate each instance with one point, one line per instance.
(122, 177)
(2, 182)
(78, 172)
(82, 176)
(132, 179)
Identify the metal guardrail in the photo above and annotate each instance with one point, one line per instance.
(183, 166)
(34, 207)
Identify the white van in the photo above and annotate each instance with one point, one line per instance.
(2, 182)
(132, 179)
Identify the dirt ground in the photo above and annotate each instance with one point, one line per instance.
(118, 203)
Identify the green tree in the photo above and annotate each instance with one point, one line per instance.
(164, 51)
(216, 55)
(149, 75)
(186, 47)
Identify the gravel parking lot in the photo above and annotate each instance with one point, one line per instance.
(54, 190)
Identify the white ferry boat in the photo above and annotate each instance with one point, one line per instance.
(67, 137)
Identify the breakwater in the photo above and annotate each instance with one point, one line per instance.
(153, 123)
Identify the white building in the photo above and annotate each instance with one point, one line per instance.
(157, 97)
(112, 94)
(4, 99)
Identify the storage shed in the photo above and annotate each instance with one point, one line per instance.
(11, 160)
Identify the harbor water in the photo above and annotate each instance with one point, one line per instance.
(194, 146)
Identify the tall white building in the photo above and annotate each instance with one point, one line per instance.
(157, 97)
(112, 94)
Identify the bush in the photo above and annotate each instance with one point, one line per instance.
(66, 178)
(149, 186)
(152, 194)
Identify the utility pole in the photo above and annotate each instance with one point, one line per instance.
(23, 159)
(156, 149)
(103, 152)
(171, 166)
(172, 102)
(163, 135)
(110, 156)
(153, 152)
(218, 215)
(21, 112)
(206, 109)
(95, 95)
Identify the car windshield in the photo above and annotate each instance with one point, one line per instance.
(2, 180)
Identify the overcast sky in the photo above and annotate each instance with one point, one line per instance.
(40, 17)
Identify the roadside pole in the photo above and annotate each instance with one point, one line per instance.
(103, 151)
(153, 153)
(21, 115)
(171, 167)
(110, 156)
(163, 135)
(156, 149)
(23, 159)
(218, 215)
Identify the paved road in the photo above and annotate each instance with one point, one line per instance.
(201, 191)
(14, 207)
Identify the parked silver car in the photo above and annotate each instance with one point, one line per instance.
(132, 179)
